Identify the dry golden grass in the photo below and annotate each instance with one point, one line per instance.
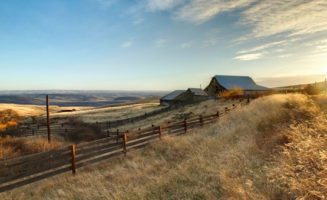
(274, 148)
(208, 107)
(111, 113)
(34, 110)
(13, 147)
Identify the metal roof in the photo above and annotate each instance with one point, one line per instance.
(198, 92)
(172, 95)
(243, 82)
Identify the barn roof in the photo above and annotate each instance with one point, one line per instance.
(243, 82)
(198, 92)
(172, 95)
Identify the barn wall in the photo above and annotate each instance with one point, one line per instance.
(213, 89)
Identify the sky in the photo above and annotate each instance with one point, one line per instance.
(159, 44)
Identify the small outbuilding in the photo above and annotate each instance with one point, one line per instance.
(221, 83)
(170, 99)
(193, 95)
(182, 97)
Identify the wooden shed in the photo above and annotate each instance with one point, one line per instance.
(193, 95)
(170, 99)
(182, 97)
(222, 83)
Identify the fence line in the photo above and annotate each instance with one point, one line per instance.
(32, 129)
(19, 171)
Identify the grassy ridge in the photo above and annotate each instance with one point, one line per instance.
(275, 148)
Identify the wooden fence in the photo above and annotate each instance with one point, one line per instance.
(33, 129)
(23, 170)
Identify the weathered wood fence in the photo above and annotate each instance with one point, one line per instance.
(23, 170)
(32, 129)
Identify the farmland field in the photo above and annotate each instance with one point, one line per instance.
(253, 153)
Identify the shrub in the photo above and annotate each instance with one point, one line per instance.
(235, 92)
(312, 90)
(8, 118)
(83, 132)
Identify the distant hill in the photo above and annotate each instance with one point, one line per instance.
(321, 85)
(77, 98)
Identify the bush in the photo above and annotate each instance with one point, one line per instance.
(312, 90)
(235, 92)
(8, 118)
(83, 132)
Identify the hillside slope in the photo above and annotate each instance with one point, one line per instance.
(274, 148)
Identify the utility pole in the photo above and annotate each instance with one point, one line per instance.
(48, 120)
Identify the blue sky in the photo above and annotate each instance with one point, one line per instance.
(159, 44)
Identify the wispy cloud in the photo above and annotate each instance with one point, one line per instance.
(160, 42)
(127, 44)
(291, 17)
(186, 45)
(154, 5)
(105, 3)
(210, 42)
(285, 55)
(247, 57)
(138, 20)
(261, 47)
(199, 11)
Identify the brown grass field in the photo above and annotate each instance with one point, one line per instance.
(274, 148)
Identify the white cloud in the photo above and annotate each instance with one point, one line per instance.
(199, 11)
(160, 42)
(210, 42)
(294, 17)
(127, 44)
(246, 57)
(138, 21)
(261, 47)
(154, 5)
(186, 45)
(285, 55)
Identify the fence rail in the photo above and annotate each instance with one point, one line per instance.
(40, 128)
(20, 171)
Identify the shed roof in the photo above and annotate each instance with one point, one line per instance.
(198, 92)
(243, 82)
(172, 95)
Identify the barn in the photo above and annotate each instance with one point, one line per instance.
(222, 83)
(181, 97)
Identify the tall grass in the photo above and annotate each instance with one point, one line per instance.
(14, 147)
(274, 148)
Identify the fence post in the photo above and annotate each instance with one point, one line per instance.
(201, 120)
(185, 126)
(124, 143)
(48, 119)
(160, 130)
(117, 135)
(73, 159)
